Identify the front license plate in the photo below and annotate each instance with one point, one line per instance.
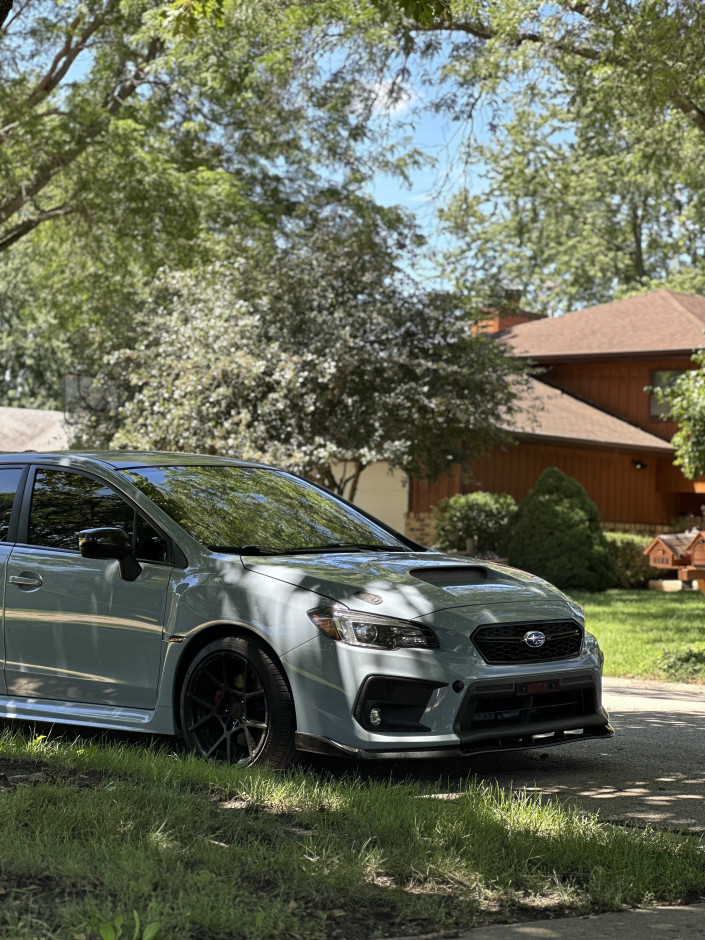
(533, 688)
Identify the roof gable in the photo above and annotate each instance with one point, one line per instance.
(659, 322)
(545, 412)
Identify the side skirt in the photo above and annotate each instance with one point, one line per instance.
(159, 721)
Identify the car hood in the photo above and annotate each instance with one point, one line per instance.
(406, 584)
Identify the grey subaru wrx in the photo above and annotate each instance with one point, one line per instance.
(256, 614)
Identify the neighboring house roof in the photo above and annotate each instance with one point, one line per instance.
(655, 323)
(548, 414)
(32, 429)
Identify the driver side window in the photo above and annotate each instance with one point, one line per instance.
(64, 503)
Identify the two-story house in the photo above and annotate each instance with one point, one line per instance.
(590, 413)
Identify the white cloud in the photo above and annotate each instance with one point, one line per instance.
(391, 97)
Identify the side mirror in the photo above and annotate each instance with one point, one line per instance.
(110, 543)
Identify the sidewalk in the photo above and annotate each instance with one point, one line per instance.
(651, 923)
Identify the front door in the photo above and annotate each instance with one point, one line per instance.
(74, 629)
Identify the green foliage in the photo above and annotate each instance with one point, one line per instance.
(556, 534)
(127, 148)
(683, 665)
(608, 94)
(480, 516)
(686, 402)
(566, 245)
(631, 564)
(114, 930)
(317, 353)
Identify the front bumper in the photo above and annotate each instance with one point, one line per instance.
(457, 704)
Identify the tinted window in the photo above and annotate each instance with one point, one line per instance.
(661, 378)
(63, 503)
(233, 507)
(9, 479)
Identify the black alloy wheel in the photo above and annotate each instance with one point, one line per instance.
(236, 705)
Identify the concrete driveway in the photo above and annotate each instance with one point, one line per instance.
(651, 773)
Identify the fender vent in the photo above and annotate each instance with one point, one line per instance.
(451, 576)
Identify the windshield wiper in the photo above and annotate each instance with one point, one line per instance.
(361, 547)
(305, 549)
(249, 550)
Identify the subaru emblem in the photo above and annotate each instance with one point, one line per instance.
(534, 639)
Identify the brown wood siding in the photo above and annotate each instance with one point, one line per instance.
(618, 387)
(621, 492)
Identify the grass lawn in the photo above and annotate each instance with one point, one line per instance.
(649, 634)
(105, 840)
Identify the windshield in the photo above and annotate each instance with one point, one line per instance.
(256, 510)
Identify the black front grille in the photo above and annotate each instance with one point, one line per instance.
(451, 575)
(503, 644)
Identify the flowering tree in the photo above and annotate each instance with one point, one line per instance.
(324, 354)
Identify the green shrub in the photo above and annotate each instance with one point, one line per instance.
(685, 665)
(483, 517)
(631, 564)
(556, 534)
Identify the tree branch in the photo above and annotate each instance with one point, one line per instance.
(59, 161)
(588, 53)
(5, 7)
(66, 56)
(26, 225)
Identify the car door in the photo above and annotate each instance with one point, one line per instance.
(74, 629)
(10, 478)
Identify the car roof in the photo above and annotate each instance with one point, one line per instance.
(120, 459)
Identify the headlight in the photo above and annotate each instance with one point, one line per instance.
(362, 629)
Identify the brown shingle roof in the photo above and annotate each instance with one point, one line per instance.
(547, 413)
(32, 429)
(678, 542)
(659, 322)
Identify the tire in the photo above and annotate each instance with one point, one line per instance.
(236, 705)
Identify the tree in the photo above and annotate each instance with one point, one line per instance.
(105, 113)
(587, 121)
(578, 216)
(321, 354)
(686, 402)
(128, 147)
(649, 52)
(557, 535)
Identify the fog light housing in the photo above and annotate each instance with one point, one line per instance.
(394, 703)
(375, 717)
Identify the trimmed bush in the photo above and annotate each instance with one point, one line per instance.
(480, 516)
(557, 535)
(631, 564)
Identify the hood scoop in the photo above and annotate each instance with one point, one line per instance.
(451, 576)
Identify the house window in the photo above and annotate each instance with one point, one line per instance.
(661, 378)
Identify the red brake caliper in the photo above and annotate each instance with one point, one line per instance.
(218, 696)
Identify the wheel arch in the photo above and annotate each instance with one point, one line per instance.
(207, 634)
